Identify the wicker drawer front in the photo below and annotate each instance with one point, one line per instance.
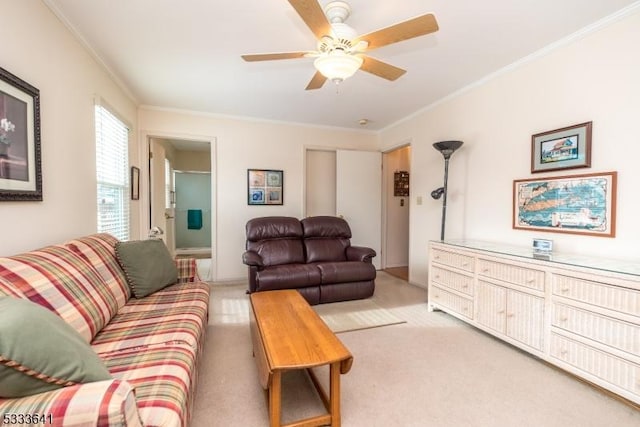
(605, 366)
(451, 259)
(606, 330)
(612, 297)
(453, 280)
(452, 301)
(527, 277)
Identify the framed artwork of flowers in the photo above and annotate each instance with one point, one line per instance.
(265, 187)
(20, 172)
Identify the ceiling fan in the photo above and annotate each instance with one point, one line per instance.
(340, 50)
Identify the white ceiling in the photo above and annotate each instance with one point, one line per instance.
(185, 54)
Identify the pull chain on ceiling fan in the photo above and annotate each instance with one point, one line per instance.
(340, 51)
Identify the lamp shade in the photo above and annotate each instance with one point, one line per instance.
(338, 65)
(447, 147)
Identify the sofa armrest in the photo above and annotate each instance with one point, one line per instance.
(187, 270)
(360, 253)
(253, 259)
(102, 403)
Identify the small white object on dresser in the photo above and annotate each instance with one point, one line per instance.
(579, 313)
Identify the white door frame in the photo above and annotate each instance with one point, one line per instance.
(144, 203)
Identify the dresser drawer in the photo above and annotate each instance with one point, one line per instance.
(452, 301)
(453, 280)
(606, 330)
(603, 295)
(451, 259)
(527, 277)
(619, 372)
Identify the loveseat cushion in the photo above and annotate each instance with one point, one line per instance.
(288, 276)
(178, 313)
(321, 250)
(347, 271)
(278, 251)
(277, 239)
(60, 280)
(326, 227)
(147, 264)
(326, 238)
(273, 227)
(39, 352)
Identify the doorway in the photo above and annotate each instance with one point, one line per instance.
(180, 199)
(396, 201)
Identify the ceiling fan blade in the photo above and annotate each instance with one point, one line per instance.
(316, 82)
(381, 69)
(273, 56)
(312, 15)
(409, 29)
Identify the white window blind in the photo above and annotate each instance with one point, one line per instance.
(112, 166)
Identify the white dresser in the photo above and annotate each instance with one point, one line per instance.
(579, 313)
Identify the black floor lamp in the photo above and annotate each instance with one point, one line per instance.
(446, 148)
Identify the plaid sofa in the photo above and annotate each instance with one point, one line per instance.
(151, 346)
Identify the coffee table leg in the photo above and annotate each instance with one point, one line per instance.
(275, 399)
(334, 385)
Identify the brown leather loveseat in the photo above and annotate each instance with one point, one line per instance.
(313, 255)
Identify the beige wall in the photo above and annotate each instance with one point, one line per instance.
(239, 145)
(594, 78)
(40, 50)
(199, 161)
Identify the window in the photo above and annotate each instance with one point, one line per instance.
(112, 168)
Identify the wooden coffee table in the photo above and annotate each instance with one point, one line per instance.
(287, 334)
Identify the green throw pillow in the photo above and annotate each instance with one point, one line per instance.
(147, 264)
(40, 352)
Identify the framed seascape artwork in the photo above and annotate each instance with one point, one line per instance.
(566, 148)
(579, 204)
(264, 187)
(20, 173)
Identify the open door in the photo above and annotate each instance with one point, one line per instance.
(358, 197)
(160, 215)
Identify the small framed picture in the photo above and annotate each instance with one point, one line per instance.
(565, 148)
(135, 183)
(265, 187)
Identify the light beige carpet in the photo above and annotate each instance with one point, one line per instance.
(355, 315)
(432, 371)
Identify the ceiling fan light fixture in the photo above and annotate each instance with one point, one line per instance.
(338, 65)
